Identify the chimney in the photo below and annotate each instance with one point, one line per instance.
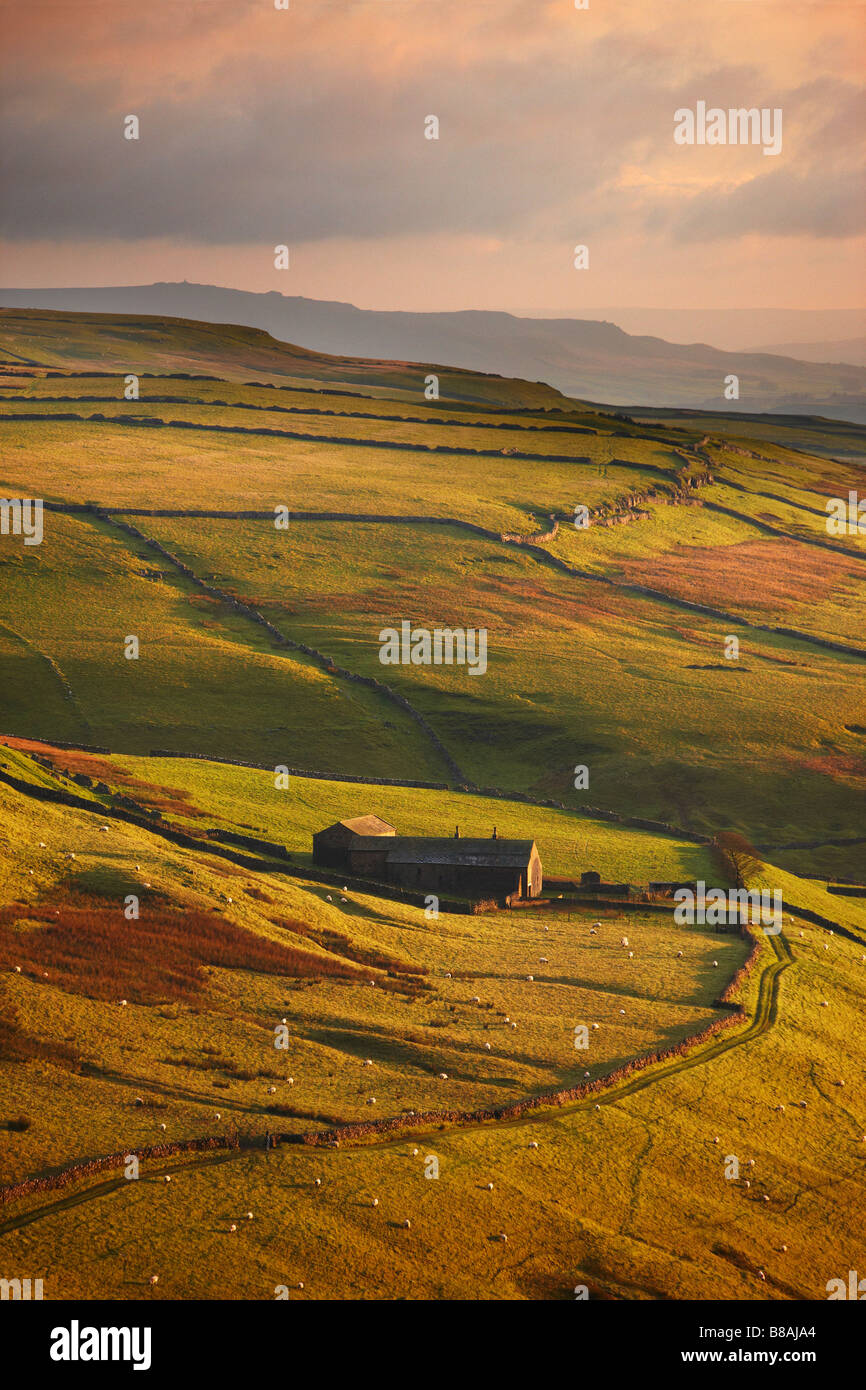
(457, 832)
(493, 836)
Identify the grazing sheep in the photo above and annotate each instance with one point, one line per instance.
(487, 1047)
(715, 962)
(218, 1115)
(375, 1202)
(328, 898)
(542, 960)
(272, 1090)
(595, 1027)
(530, 977)
(502, 1236)
(290, 1081)
(154, 1279)
(123, 1004)
(761, 1274)
(624, 941)
(783, 1248)
(596, 924)
(407, 1223)
(716, 1140)
(766, 1197)
(631, 955)
(368, 1061)
(103, 827)
(447, 974)
(490, 1187)
(42, 844)
(233, 1227)
(533, 1144)
(318, 1182)
(371, 1100)
(586, 1073)
(475, 999)
(344, 900)
(162, 1127)
(167, 1178)
(622, 1011)
(443, 1076)
(300, 1283)
(17, 969)
(679, 955)
(249, 1216)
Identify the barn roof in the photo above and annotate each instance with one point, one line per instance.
(372, 826)
(486, 853)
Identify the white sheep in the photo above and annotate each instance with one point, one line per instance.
(487, 1047)
(154, 1279)
(533, 1144)
(624, 941)
(375, 1202)
(490, 1187)
(233, 1227)
(443, 1076)
(272, 1090)
(249, 1216)
(318, 1182)
(407, 1223)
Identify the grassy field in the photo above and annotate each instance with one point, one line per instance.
(582, 1207)
(607, 648)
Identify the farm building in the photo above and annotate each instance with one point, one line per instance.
(475, 868)
(331, 845)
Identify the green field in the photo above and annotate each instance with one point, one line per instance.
(607, 648)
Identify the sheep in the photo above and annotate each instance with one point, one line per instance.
(631, 955)
(42, 844)
(103, 828)
(783, 1248)
(167, 1178)
(679, 955)
(715, 962)
(595, 1027)
(475, 999)
(375, 1202)
(371, 1100)
(487, 1047)
(344, 900)
(502, 1236)
(272, 1090)
(542, 960)
(328, 898)
(530, 977)
(761, 1274)
(406, 1224)
(766, 1197)
(162, 1127)
(622, 1011)
(123, 1004)
(154, 1279)
(586, 1073)
(533, 1144)
(443, 1076)
(368, 1062)
(249, 1216)
(716, 1140)
(624, 941)
(218, 1116)
(233, 1227)
(290, 1081)
(747, 1183)
(414, 1153)
(490, 1187)
(514, 1025)
(300, 1283)
(317, 1182)
(17, 969)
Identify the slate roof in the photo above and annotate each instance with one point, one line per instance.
(372, 826)
(422, 849)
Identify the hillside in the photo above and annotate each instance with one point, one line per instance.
(441, 514)
(579, 357)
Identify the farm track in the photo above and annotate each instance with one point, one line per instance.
(764, 1017)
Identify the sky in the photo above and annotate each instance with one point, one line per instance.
(306, 127)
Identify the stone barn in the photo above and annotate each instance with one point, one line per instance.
(471, 868)
(331, 846)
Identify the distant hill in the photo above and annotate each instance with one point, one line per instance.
(849, 350)
(155, 345)
(582, 358)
